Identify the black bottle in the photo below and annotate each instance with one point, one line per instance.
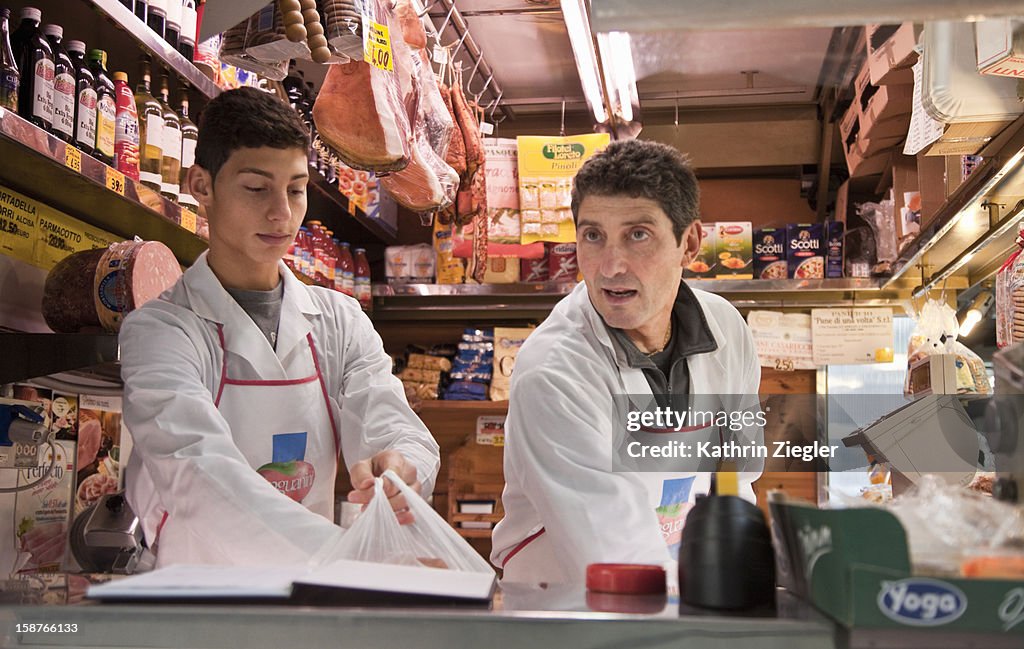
(35, 61)
(85, 98)
(63, 85)
(156, 16)
(9, 75)
(140, 9)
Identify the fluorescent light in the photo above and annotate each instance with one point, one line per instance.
(577, 24)
(975, 312)
(620, 77)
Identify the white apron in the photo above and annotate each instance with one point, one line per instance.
(279, 426)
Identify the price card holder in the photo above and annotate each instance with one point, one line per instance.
(115, 181)
(377, 47)
(72, 158)
(188, 220)
(486, 128)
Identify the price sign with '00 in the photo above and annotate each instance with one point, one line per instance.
(378, 47)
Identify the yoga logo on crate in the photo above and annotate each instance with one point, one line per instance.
(921, 602)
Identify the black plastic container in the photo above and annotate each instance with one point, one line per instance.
(726, 559)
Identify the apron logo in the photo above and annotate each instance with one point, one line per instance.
(293, 478)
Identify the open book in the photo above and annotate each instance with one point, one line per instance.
(341, 582)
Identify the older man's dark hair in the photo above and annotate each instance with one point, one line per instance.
(640, 169)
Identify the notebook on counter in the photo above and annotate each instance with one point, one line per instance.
(340, 583)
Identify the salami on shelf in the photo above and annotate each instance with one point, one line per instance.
(67, 294)
(129, 274)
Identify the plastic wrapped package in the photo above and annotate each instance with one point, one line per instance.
(947, 524)
(428, 182)
(377, 537)
(880, 217)
(861, 253)
(259, 44)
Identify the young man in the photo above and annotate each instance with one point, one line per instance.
(243, 385)
(632, 332)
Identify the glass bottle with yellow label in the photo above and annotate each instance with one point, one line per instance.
(106, 108)
(151, 129)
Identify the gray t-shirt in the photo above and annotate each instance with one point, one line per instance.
(264, 307)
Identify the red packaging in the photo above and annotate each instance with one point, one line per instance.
(562, 265)
(534, 270)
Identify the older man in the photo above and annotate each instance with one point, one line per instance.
(631, 332)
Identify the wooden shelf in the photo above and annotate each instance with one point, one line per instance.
(474, 534)
(442, 405)
(44, 171)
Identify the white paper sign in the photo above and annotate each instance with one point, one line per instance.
(490, 430)
(850, 336)
(923, 129)
(783, 340)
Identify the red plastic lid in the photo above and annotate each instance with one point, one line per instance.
(626, 578)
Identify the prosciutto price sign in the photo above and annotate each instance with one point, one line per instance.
(377, 47)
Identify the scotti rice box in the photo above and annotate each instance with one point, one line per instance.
(770, 253)
(834, 250)
(734, 243)
(703, 265)
(804, 251)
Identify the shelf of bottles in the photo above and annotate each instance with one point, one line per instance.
(317, 257)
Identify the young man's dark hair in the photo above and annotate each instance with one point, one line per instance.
(642, 170)
(246, 118)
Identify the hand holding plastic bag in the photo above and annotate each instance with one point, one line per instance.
(377, 537)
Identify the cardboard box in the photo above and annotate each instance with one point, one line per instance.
(851, 192)
(1000, 47)
(770, 253)
(805, 250)
(931, 181)
(966, 138)
(834, 249)
(861, 165)
(734, 249)
(865, 550)
(891, 53)
(704, 264)
(906, 196)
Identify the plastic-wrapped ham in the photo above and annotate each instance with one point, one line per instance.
(360, 114)
(428, 183)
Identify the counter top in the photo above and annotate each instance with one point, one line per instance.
(519, 618)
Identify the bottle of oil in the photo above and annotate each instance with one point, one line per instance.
(35, 59)
(106, 108)
(151, 129)
(189, 137)
(63, 85)
(170, 165)
(85, 98)
(9, 75)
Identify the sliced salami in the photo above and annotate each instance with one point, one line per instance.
(129, 274)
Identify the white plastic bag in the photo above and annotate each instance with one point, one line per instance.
(377, 537)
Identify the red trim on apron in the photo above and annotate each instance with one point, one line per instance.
(159, 528)
(522, 544)
(327, 400)
(224, 380)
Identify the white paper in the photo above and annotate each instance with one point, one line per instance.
(185, 581)
(850, 336)
(923, 129)
(782, 340)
